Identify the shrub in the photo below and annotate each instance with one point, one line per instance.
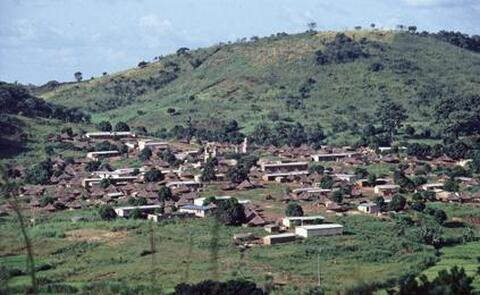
(294, 209)
(106, 212)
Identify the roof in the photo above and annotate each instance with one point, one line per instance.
(138, 207)
(320, 226)
(304, 217)
(196, 207)
(284, 235)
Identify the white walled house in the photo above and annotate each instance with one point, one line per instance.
(308, 231)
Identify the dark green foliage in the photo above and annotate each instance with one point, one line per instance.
(440, 216)
(154, 175)
(361, 172)
(458, 39)
(397, 203)
(451, 185)
(136, 214)
(341, 50)
(418, 206)
(390, 115)
(337, 196)
(281, 133)
(105, 126)
(237, 174)
(45, 200)
(230, 212)
(475, 164)
(327, 182)
(122, 126)
(40, 173)
(419, 150)
(15, 99)
(105, 146)
(403, 181)
(314, 168)
(105, 182)
(455, 281)
(168, 156)
(106, 212)
(294, 209)
(208, 173)
(233, 287)
(145, 154)
(92, 166)
(164, 194)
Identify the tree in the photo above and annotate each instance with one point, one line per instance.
(164, 194)
(122, 126)
(294, 209)
(361, 172)
(410, 131)
(105, 182)
(451, 185)
(237, 174)
(412, 29)
(45, 200)
(153, 175)
(418, 206)
(168, 156)
(397, 203)
(78, 76)
(312, 26)
(135, 214)
(145, 154)
(104, 126)
(372, 25)
(208, 173)
(391, 116)
(318, 169)
(337, 197)
(92, 166)
(232, 287)
(231, 212)
(106, 212)
(326, 182)
(40, 173)
(372, 179)
(440, 216)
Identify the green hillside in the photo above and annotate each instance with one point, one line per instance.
(280, 78)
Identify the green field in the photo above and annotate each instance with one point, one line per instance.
(372, 251)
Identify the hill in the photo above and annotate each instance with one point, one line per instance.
(336, 80)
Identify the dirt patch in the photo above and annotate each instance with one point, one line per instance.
(96, 236)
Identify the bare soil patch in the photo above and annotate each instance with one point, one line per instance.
(96, 236)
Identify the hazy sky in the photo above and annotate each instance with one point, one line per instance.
(42, 40)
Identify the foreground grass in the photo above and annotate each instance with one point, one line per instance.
(372, 251)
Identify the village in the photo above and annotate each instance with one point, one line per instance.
(170, 180)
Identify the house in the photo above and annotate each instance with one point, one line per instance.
(127, 210)
(102, 155)
(332, 156)
(199, 201)
(154, 145)
(109, 135)
(284, 167)
(345, 177)
(199, 211)
(278, 238)
(308, 231)
(386, 189)
(291, 221)
(432, 186)
(191, 184)
(160, 217)
(87, 182)
(272, 228)
(281, 176)
(369, 208)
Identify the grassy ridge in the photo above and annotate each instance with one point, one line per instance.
(248, 81)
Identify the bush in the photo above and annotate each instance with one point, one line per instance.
(106, 212)
(153, 175)
(294, 209)
(45, 200)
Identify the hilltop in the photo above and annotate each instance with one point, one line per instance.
(283, 77)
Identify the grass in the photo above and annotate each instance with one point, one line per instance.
(247, 81)
(462, 255)
(370, 251)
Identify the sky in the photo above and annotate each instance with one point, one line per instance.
(43, 40)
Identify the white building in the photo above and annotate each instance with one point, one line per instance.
(369, 208)
(109, 135)
(102, 154)
(125, 211)
(291, 221)
(308, 231)
(279, 238)
(199, 211)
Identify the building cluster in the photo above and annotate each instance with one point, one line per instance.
(124, 176)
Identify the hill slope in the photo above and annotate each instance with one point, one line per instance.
(283, 78)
